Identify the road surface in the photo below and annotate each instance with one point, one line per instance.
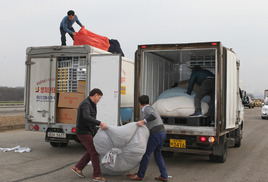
(46, 163)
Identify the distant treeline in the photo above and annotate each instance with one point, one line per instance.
(11, 94)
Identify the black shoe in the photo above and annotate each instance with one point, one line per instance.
(196, 114)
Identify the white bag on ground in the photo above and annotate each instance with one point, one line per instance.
(16, 149)
(121, 147)
(181, 106)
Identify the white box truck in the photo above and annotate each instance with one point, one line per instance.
(159, 66)
(54, 75)
(265, 94)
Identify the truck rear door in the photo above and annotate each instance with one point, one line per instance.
(105, 74)
(41, 90)
(232, 86)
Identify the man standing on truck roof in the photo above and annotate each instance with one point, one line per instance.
(206, 80)
(66, 26)
(85, 130)
(155, 142)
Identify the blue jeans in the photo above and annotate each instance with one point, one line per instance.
(63, 37)
(155, 144)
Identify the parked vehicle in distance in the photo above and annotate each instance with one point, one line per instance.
(257, 102)
(260, 102)
(248, 102)
(264, 110)
(265, 99)
(265, 94)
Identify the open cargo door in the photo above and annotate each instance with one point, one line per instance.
(232, 90)
(41, 90)
(105, 74)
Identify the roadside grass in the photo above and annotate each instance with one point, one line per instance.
(11, 103)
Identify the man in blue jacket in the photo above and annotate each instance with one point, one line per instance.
(206, 80)
(66, 26)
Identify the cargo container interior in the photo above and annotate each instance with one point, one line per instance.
(161, 69)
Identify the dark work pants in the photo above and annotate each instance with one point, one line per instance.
(206, 88)
(155, 144)
(63, 37)
(90, 154)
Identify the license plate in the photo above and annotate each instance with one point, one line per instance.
(177, 143)
(56, 135)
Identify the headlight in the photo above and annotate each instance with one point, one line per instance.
(264, 109)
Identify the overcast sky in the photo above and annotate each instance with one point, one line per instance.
(238, 24)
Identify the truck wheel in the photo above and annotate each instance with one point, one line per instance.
(220, 158)
(223, 152)
(238, 137)
(213, 158)
(167, 154)
(55, 144)
(77, 140)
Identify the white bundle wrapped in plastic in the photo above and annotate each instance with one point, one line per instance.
(121, 147)
(181, 106)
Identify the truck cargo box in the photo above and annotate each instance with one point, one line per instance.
(58, 78)
(161, 68)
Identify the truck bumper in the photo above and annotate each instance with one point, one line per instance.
(191, 151)
(189, 144)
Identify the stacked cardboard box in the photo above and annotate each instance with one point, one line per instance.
(81, 86)
(67, 107)
(67, 116)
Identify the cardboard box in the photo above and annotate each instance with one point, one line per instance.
(70, 99)
(67, 116)
(81, 86)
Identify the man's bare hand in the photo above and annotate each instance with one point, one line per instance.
(74, 33)
(103, 126)
(140, 123)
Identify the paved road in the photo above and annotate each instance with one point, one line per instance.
(45, 163)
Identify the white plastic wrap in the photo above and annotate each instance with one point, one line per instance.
(121, 147)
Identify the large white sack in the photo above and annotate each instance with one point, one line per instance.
(121, 147)
(181, 106)
(179, 91)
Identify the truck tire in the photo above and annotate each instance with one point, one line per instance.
(167, 154)
(238, 137)
(77, 140)
(221, 158)
(55, 144)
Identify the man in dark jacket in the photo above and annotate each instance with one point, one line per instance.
(206, 80)
(153, 121)
(85, 130)
(66, 26)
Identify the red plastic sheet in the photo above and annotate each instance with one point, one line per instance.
(86, 37)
